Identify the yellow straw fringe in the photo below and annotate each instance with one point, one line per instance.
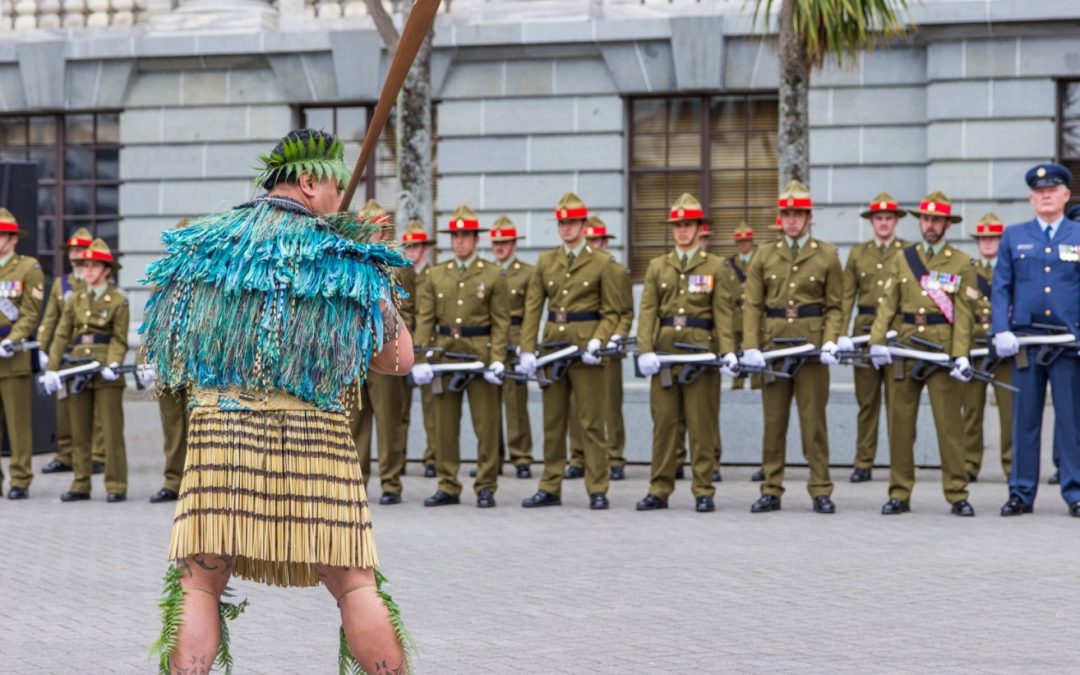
(280, 490)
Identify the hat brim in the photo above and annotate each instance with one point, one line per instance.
(934, 214)
(868, 214)
(986, 235)
(514, 238)
(602, 236)
(673, 221)
(1047, 181)
(477, 230)
(17, 233)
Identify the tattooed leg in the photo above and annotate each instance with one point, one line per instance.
(371, 637)
(203, 578)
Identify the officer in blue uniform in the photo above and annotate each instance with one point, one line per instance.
(1036, 282)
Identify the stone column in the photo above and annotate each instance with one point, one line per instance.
(218, 15)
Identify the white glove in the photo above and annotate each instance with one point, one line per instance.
(613, 343)
(961, 370)
(50, 381)
(880, 356)
(43, 360)
(752, 358)
(493, 372)
(828, 354)
(648, 363)
(6, 352)
(109, 374)
(731, 365)
(844, 344)
(526, 364)
(146, 374)
(589, 357)
(422, 374)
(1006, 344)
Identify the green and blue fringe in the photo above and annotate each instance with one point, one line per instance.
(267, 298)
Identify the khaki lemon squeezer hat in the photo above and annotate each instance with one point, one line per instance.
(989, 226)
(8, 224)
(464, 219)
(415, 234)
(597, 229)
(883, 203)
(100, 251)
(375, 212)
(504, 230)
(686, 207)
(81, 238)
(795, 196)
(936, 204)
(743, 232)
(570, 207)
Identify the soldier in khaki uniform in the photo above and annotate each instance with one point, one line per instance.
(864, 281)
(598, 237)
(684, 300)
(988, 233)
(62, 289)
(22, 288)
(94, 325)
(417, 244)
(583, 291)
(739, 264)
(504, 238)
(794, 289)
(381, 401)
(930, 288)
(466, 309)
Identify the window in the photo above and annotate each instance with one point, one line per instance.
(78, 158)
(720, 149)
(349, 122)
(1069, 132)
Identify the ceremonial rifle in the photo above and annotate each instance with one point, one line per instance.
(82, 372)
(928, 361)
(565, 354)
(24, 346)
(467, 368)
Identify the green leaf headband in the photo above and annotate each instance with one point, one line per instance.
(297, 156)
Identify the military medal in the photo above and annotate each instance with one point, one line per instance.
(700, 283)
(480, 291)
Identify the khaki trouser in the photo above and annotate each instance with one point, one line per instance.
(107, 405)
(810, 389)
(174, 423)
(484, 408)
(699, 404)
(945, 395)
(381, 399)
(614, 425)
(680, 431)
(974, 408)
(15, 400)
(63, 436)
(518, 430)
(427, 406)
(585, 385)
(869, 384)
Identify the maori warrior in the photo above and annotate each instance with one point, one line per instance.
(269, 315)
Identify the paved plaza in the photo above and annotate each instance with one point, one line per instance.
(567, 590)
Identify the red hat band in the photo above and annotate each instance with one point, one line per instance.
(414, 237)
(686, 214)
(739, 236)
(79, 242)
(990, 228)
(463, 225)
(100, 256)
(572, 214)
(936, 207)
(9, 226)
(794, 203)
(596, 231)
(504, 232)
(882, 206)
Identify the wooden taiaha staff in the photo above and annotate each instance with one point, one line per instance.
(416, 29)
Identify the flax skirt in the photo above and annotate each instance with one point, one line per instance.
(281, 490)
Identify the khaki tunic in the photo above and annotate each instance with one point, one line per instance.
(85, 317)
(590, 284)
(781, 281)
(905, 298)
(477, 297)
(23, 290)
(699, 291)
(974, 401)
(864, 283)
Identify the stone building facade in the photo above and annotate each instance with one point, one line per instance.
(532, 99)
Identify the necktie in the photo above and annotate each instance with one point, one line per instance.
(682, 261)
(569, 259)
(794, 248)
(1049, 232)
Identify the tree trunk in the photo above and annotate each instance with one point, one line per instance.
(415, 138)
(794, 136)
